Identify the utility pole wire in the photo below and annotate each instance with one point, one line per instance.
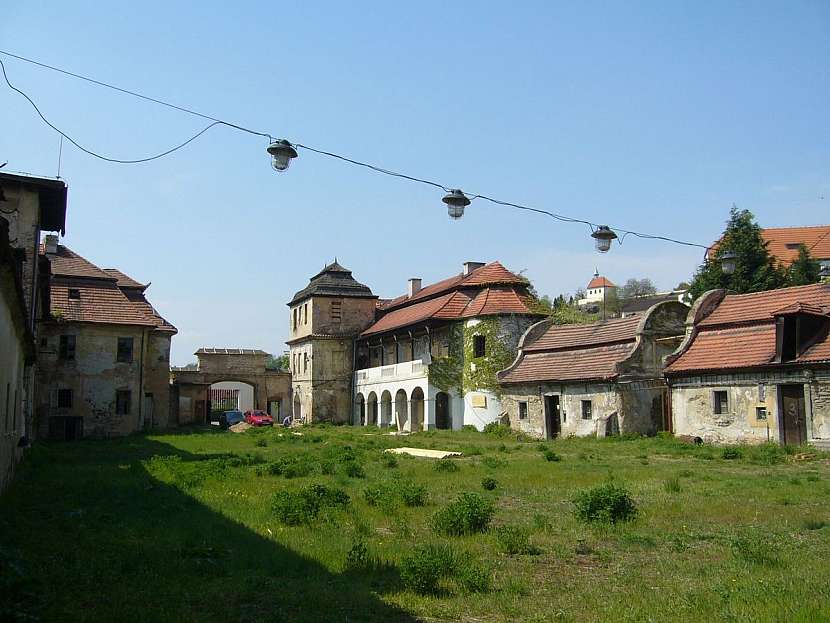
(216, 121)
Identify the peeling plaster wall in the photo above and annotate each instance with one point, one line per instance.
(605, 401)
(693, 411)
(324, 389)
(94, 377)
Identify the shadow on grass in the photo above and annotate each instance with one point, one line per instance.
(88, 534)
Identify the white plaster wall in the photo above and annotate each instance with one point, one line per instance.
(246, 393)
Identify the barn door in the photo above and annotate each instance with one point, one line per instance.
(793, 415)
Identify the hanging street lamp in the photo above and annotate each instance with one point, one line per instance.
(603, 236)
(456, 202)
(282, 153)
(728, 262)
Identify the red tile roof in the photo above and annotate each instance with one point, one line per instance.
(584, 364)
(487, 291)
(741, 332)
(107, 297)
(493, 273)
(582, 335)
(124, 281)
(67, 263)
(600, 282)
(573, 352)
(760, 306)
(783, 242)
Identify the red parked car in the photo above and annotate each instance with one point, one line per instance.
(255, 417)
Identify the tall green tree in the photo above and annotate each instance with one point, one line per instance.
(756, 269)
(804, 270)
(635, 288)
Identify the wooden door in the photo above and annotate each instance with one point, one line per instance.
(793, 415)
(553, 418)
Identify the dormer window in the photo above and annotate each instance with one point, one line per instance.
(74, 293)
(796, 329)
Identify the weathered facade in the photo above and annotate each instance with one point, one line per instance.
(325, 317)
(594, 379)
(103, 353)
(431, 357)
(28, 205)
(755, 368)
(191, 388)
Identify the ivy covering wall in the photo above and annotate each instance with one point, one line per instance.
(480, 372)
(460, 370)
(445, 373)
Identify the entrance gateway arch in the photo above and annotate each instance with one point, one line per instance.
(190, 389)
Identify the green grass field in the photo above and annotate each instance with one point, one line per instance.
(183, 527)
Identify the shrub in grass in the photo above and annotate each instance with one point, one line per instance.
(542, 522)
(469, 428)
(488, 483)
(329, 468)
(767, 454)
(671, 485)
(608, 503)
(498, 430)
(374, 494)
(261, 442)
(412, 493)
(353, 469)
(474, 577)
(813, 524)
(550, 455)
(503, 448)
(468, 514)
(513, 540)
(299, 507)
(358, 555)
(492, 462)
(756, 549)
(685, 473)
(731, 454)
(813, 478)
(445, 465)
(387, 459)
(423, 567)
(472, 451)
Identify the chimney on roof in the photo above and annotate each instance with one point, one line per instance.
(51, 243)
(471, 266)
(414, 286)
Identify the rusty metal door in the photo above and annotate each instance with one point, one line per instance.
(793, 415)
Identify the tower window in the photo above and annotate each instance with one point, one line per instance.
(336, 310)
(479, 346)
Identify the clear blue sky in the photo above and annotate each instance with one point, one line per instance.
(653, 116)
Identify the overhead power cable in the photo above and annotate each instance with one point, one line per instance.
(216, 121)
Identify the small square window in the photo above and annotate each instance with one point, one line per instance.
(587, 410)
(761, 413)
(64, 399)
(479, 345)
(123, 398)
(66, 350)
(125, 350)
(74, 293)
(522, 410)
(720, 402)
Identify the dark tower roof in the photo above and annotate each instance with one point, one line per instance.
(333, 280)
